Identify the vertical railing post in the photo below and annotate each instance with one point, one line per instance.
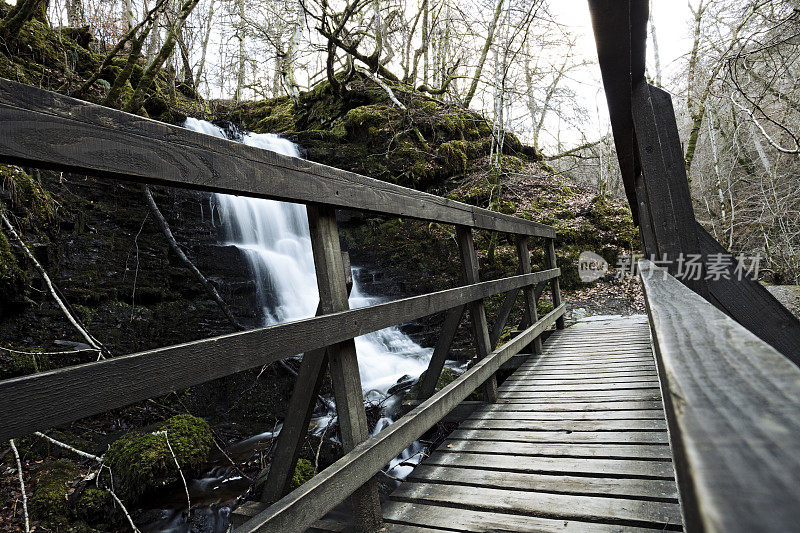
(345, 376)
(554, 286)
(480, 327)
(306, 390)
(530, 297)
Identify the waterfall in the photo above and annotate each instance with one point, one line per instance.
(275, 239)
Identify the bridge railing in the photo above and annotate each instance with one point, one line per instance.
(46, 130)
(733, 407)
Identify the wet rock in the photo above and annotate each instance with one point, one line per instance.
(143, 462)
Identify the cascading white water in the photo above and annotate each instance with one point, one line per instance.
(275, 238)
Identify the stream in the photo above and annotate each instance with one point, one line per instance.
(274, 238)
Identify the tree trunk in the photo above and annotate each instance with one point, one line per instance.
(152, 70)
(240, 76)
(487, 45)
(24, 11)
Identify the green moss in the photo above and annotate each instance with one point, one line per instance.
(89, 510)
(455, 155)
(142, 462)
(13, 279)
(49, 503)
(302, 473)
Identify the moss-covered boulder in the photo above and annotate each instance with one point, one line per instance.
(142, 461)
(62, 503)
(49, 502)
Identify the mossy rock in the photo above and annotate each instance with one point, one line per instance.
(455, 155)
(92, 510)
(142, 462)
(49, 502)
(303, 472)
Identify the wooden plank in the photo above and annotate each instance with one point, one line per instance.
(752, 305)
(572, 387)
(608, 451)
(578, 437)
(546, 505)
(587, 375)
(482, 521)
(510, 405)
(299, 509)
(555, 288)
(732, 408)
(440, 352)
(477, 310)
(571, 379)
(616, 468)
(342, 359)
(524, 258)
(502, 317)
(664, 176)
(640, 488)
(55, 397)
(608, 366)
(596, 362)
(501, 423)
(47, 130)
(497, 414)
(301, 408)
(644, 394)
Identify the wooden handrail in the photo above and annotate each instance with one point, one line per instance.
(301, 508)
(733, 407)
(59, 396)
(45, 129)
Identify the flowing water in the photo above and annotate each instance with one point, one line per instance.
(274, 237)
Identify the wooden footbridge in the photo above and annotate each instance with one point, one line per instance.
(688, 418)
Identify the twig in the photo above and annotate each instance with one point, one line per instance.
(119, 502)
(386, 88)
(173, 244)
(85, 334)
(85, 455)
(185, 485)
(47, 353)
(21, 485)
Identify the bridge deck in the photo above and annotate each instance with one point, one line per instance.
(578, 442)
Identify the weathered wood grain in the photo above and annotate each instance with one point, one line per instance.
(555, 287)
(557, 483)
(576, 437)
(443, 518)
(501, 423)
(55, 397)
(607, 451)
(509, 405)
(342, 359)
(752, 305)
(627, 512)
(440, 352)
(524, 258)
(732, 405)
(43, 129)
(581, 466)
(477, 310)
(299, 509)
